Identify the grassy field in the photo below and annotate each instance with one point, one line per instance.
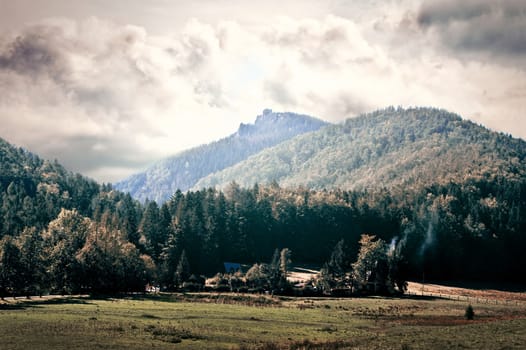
(208, 321)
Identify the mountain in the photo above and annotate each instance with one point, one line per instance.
(448, 195)
(182, 171)
(33, 190)
(385, 149)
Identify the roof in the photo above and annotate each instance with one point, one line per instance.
(232, 267)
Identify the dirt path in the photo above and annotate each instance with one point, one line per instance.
(10, 300)
(465, 294)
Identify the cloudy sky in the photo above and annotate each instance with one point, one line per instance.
(108, 87)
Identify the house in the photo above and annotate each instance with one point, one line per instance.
(232, 267)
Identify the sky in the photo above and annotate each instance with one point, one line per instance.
(109, 87)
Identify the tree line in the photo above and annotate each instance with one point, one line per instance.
(79, 236)
(377, 269)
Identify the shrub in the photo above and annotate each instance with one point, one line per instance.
(469, 314)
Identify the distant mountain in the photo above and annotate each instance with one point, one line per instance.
(182, 171)
(384, 149)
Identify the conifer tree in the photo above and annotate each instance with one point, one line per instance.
(32, 263)
(9, 266)
(182, 273)
(336, 265)
(150, 230)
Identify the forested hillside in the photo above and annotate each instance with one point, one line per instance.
(183, 170)
(33, 191)
(54, 224)
(387, 148)
(60, 232)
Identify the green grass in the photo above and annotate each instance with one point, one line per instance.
(202, 321)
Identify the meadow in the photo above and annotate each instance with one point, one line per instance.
(237, 321)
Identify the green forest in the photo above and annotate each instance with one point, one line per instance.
(392, 147)
(63, 233)
(75, 235)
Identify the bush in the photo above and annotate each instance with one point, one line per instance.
(191, 287)
(222, 288)
(469, 314)
(242, 290)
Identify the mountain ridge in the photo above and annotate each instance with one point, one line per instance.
(460, 204)
(182, 170)
(386, 148)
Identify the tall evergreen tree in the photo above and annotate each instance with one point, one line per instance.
(151, 231)
(182, 273)
(32, 261)
(130, 219)
(10, 261)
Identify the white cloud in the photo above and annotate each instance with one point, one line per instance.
(107, 99)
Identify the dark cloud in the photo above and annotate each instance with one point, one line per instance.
(495, 27)
(101, 97)
(85, 153)
(34, 52)
(433, 12)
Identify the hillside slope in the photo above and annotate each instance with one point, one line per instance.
(184, 170)
(386, 148)
(33, 190)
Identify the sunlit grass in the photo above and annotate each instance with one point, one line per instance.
(248, 322)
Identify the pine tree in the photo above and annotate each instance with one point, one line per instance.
(150, 229)
(182, 273)
(32, 264)
(129, 218)
(9, 266)
(336, 264)
(274, 270)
